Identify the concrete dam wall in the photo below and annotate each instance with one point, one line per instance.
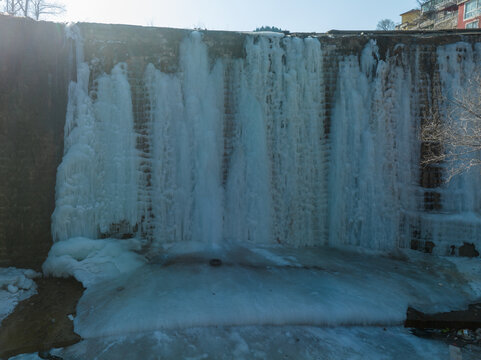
(33, 101)
(169, 136)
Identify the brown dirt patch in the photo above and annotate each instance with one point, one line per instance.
(41, 322)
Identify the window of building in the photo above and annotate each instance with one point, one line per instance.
(472, 25)
(472, 9)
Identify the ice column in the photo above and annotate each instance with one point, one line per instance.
(276, 189)
(97, 179)
(373, 140)
(273, 186)
(187, 136)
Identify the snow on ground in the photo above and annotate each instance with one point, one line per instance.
(264, 342)
(471, 270)
(91, 261)
(265, 302)
(15, 285)
(320, 287)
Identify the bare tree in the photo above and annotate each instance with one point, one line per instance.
(452, 134)
(386, 25)
(43, 7)
(33, 8)
(12, 7)
(24, 7)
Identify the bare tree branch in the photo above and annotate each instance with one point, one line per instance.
(43, 7)
(33, 8)
(451, 135)
(12, 7)
(24, 7)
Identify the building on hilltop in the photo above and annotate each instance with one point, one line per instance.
(442, 14)
(469, 14)
(439, 14)
(410, 20)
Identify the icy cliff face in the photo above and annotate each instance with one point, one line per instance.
(243, 151)
(97, 181)
(375, 151)
(236, 150)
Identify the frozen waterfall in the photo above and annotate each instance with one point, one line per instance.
(245, 150)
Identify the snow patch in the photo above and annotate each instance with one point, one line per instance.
(471, 270)
(327, 287)
(266, 342)
(91, 261)
(15, 285)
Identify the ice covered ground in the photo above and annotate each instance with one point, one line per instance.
(262, 302)
(269, 286)
(266, 342)
(178, 288)
(15, 285)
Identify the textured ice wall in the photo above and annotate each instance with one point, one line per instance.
(280, 153)
(375, 151)
(239, 150)
(97, 179)
(187, 147)
(377, 199)
(256, 174)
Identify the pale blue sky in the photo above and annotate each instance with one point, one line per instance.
(293, 15)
